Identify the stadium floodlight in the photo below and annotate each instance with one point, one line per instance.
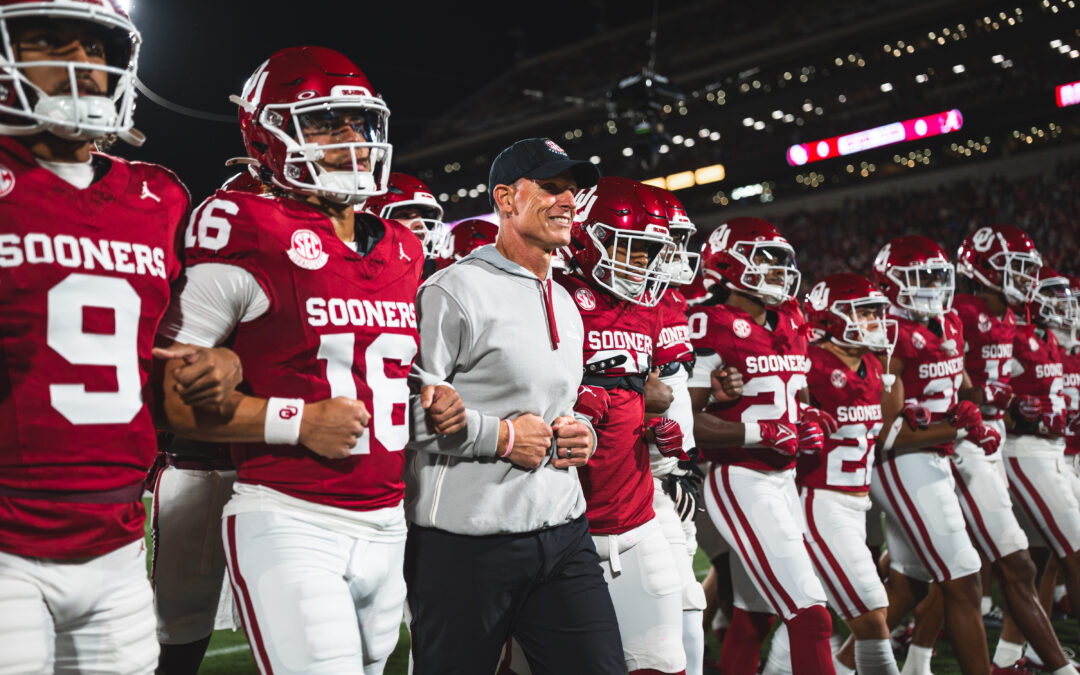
(1068, 94)
(867, 139)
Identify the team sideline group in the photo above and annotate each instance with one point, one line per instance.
(515, 436)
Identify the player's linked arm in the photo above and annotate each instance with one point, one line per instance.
(900, 433)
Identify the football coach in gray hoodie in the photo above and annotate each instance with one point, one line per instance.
(498, 543)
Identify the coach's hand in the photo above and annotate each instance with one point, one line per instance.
(332, 427)
(445, 408)
(574, 443)
(532, 441)
(658, 395)
(207, 377)
(727, 384)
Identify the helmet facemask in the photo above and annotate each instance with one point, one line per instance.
(66, 112)
(684, 263)
(769, 270)
(1057, 305)
(617, 271)
(321, 156)
(926, 289)
(873, 332)
(1019, 274)
(428, 226)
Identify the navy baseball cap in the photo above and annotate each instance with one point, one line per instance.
(538, 158)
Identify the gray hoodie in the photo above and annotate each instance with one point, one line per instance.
(509, 344)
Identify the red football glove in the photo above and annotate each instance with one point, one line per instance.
(986, 437)
(592, 402)
(669, 437)
(779, 436)
(823, 419)
(1030, 408)
(1053, 424)
(811, 437)
(999, 395)
(965, 415)
(917, 416)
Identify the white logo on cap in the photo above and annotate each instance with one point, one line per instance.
(554, 147)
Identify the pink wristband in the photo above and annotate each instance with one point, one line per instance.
(509, 438)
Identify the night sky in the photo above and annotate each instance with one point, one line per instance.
(422, 57)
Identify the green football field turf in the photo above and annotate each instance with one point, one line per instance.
(229, 654)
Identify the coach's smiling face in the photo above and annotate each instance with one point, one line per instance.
(543, 209)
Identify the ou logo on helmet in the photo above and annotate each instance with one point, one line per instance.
(583, 202)
(819, 296)
(982, 239)
(882, 259)
(719, 238)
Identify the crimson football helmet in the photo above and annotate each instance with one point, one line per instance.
(620, 240)
(310, 117)
(68, 112)
(750, 255)
(684, 266)
(245, 181)
(469, 235)
(1052, 300)
(407, 193)
(916, 275)
(1002, 258)
(838, 305)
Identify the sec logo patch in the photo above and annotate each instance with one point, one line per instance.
(1033, 344)
(7, 181)
(741, 328)
(307, 250)
(838, 379)
(585, 299)
(984, 323)
(918, 341)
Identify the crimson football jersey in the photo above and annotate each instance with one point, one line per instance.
(933, 366)
(988, 345)
(773, 364)
(619, 345)
(674, 344)
(1037, 371)
(1071, 389)
(854, 399)
(84, 281)
(339, 324)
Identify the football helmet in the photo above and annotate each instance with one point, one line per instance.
(684, 265)
(836, 306)
(916, 275)
(1052, 300)
(620, 240)
(1001, 258)
(750, 255)
(245, 181)
(469, 235)
(310, 117)
(405, 192)
(66, 112)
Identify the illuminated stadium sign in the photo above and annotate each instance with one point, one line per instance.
(897, 132)
(1068, 94)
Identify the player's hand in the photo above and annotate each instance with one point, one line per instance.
(445, 408)
(592, 402)
(685, 493)
(532, 441)
(965, 415)
(827, 422)
(917, 416)
(207, 378)
(986, 437)
(811, 437)
(332, 427)
(1030, 408)
(668, 436)
(658, 396)
(782, 437)
(573, 442)
(999, 394)
(726, 384)
(1053, 424)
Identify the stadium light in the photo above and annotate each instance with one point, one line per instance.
(678, 181)
(867, 139)
(1068, 94)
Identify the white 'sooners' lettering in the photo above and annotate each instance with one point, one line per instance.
(84, 253)
(953, 366)
(619, 339)
(794, 363)
(858, 413)
(355, 312)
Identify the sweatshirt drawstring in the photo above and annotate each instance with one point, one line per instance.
(553, 330)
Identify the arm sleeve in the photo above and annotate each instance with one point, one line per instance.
(703, 367)
(445, 334)
(680, 409)
(209, 302)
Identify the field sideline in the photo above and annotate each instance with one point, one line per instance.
(229, 653)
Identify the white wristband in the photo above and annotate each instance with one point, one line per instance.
(751, 433)
(893, 432)
(961, 433)
(282, 426)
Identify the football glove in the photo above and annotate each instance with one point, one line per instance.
(827, 422)
(779, 436)
(999, 395)
(811, 437)
(669, 437)
(1053, 424)
(592, 402)
(1030, 408)
(917, 416)
(685, 493)
(986, 437)
(965, 415)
